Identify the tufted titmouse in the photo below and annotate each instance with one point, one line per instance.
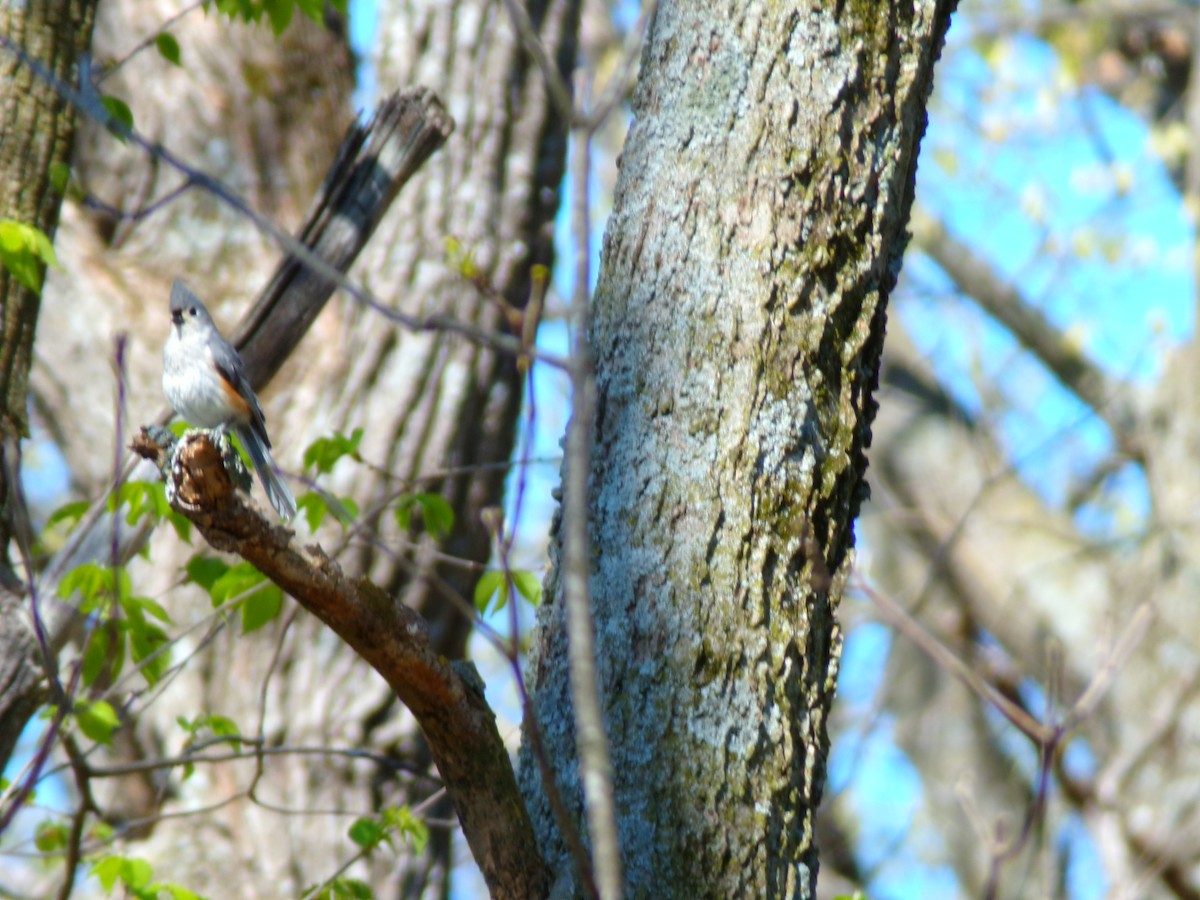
(204, 381)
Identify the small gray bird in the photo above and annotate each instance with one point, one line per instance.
(204, 380)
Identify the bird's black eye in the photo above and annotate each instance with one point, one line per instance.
(192, 311)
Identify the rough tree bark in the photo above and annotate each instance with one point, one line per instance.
(758, 227)
(38, 126)
(37, 129)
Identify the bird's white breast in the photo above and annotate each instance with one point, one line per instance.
(191, 383)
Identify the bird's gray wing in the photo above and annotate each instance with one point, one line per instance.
(229, 364)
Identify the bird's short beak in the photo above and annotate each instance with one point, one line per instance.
(177, 316)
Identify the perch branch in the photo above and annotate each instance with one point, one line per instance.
(446, 698)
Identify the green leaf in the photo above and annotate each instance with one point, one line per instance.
(314, 9)
(352, 889)
(179, 522)
(258, 606)
(280, 14)
(101, 656)
(317, 504)
(144, 498)
(51, 836)
(314, 507)
(177, 892)
(261, 607)
(71, 512)
(490, 583)
(136, 873)
(98, 720)
(436, 513)
(120, 121)
(145, 604)
(168, 47)
(98, 587)
(324, 453)
(222, 726)
(144, 641)
(528, 585)
(205, 570)
(107, 870)
(367, 833)
(401, 818)
(235, 581)
(341, 889)
(22, 248)
(344, 510)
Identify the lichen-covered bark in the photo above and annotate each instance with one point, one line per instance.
(756, 232)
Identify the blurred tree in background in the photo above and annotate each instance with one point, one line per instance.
(1034, 479)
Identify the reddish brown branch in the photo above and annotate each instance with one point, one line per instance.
(446, 699)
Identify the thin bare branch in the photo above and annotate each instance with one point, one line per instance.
(947, 659)
(591, 739)
(151, 38)
(556, 86)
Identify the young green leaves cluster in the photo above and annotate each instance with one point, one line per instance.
(136, 878)
(22, 248)
(217, 726)
(435, 513)
(495, 584)
(260, 600)
(369, 832)
(323, 454)
(124, 624)
(278, 12)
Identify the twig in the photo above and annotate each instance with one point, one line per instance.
(595, 767)
(556, 85)
(193, 757)
(621, 81)
(149, 39)
(87, 803)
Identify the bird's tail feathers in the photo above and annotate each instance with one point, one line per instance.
(277, 492)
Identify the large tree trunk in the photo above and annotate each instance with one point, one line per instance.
(757, 230)
(37, 129)
(38, 125)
